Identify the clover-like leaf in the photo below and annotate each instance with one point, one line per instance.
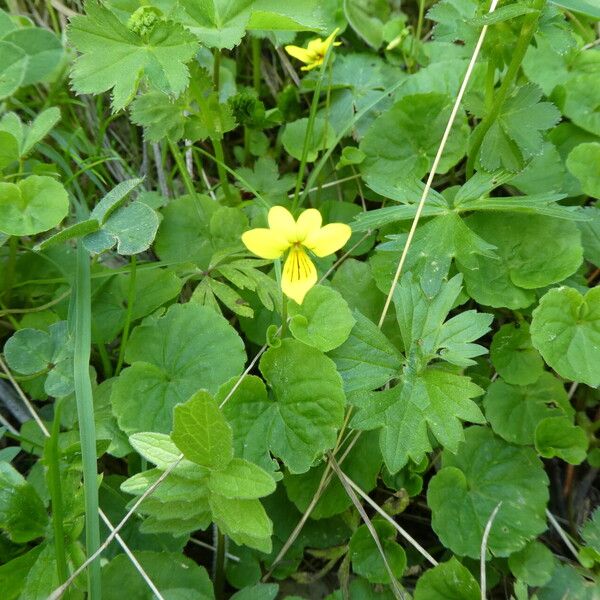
(34, 204)
(447, 581)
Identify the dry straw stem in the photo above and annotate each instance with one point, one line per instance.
(103, 516)
(398, 593)
(484, 540)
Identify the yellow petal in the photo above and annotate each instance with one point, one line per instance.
(281, 221)
(330, 39)
(301, 54)
(310, 220)
(299, 275)
(265, 243)
(316, 47)
(328, 239)
(313, 65)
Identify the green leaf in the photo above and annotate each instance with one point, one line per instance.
(9, 149)
(447, 581)
(513, 355)
(22, 514)
(132, 228)
(309, 407)
(34, 204)
(42, 578)
(160, 116)
(14, 572)
(241, 479)
(566, 583)
(244, 521)
(172, 357)
(566, 330)
(30, 351)
(404, 139)
(586, 7)
(367, 19)
(113, 200)
(434, 400)
(557, 436)
(114, 57)
(323, 320)
(581, 162)
(176, 576)
(516, 134)
(533, 564)
(247, 411)
(590, 532)
(533, 252)
(590, 235)
(12, 69)
(367, 360)
(201, 432)
(485, 471)
(322, 137)
(515, 411)
(366, 558)
(578, 100)
(39, 128)
(362, 465)
(260, 591)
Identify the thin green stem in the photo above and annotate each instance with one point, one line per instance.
(53, 463)
(220, 156)
(129, 314)
(417, 37)
(81, 319)
(527, 31)
(187, 180)
(490, 82)
(256, 64)
(105, 360)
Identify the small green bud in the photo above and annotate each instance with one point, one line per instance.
(143, 20)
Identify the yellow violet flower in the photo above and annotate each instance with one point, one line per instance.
(299, 272)
(314, 54)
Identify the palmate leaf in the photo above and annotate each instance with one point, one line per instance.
(516, 135)
(426, 398)
(114, 57)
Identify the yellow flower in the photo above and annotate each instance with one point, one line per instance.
(314, 54)
(299, 273)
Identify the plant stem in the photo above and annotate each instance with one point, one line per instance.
(256, 64)
(187, 180)
(527, 31)
(105, 360)
(219, 563)
(130, 302)
(309, 129)
(85, 413)
(220, 156)
(53, 463)
(417, 37)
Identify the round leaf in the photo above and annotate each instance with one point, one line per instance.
(33, 205)
(310, 403)
(190, 348)
(514, 357)
(464, 493)
(583, 162)
(323, 320)
(366, 558)
(515, 411)
(533, 565)
(447, 581)
(12, 68)
(566, 330)
(533, 251)
(557, 436)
